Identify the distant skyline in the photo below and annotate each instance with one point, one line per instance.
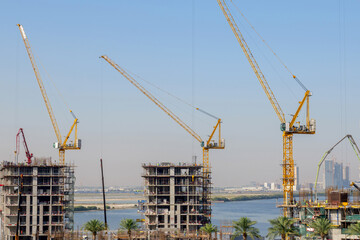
(188, 49)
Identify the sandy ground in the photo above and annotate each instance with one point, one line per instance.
(113, 200)
(112, 206)
(127, 200)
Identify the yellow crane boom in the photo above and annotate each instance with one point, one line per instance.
(61, 144)
(206, 145)
(288, 128)
(40, 82)
(152, 98)
(252, 61)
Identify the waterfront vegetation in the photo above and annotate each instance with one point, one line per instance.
(245, 227)
(209, 229)
(94, 226)
(247, 197)
(321, 227)
(129, 225)
(283, 227)
(354, 229)
(83, 208)
(89, 208)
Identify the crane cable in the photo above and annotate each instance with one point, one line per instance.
(54, 85)
(172, 95)
(268, 46)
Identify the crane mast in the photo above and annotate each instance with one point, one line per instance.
(288, 128)
(61, 145)
(206, 145)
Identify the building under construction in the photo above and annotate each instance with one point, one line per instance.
(177, 197)
(46, 202)
(340, 207)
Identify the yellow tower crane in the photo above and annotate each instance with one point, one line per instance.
(288, 128)
(62, 145)
(206, 145)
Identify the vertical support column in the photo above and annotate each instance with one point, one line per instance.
(288, 172)
(51, 169)
(178, 213)
(187, 200)
(172, 197)
(28, 205)
(41, 219)
(35, 199)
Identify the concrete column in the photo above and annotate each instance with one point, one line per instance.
(41, 219)
(172, 197)
(35, 199)
(166, 222)
(28, 208)
(178, 215)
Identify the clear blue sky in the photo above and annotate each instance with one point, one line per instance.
(187, 48)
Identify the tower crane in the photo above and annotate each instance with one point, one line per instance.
(27, 152)
(288, 128)
(206, 145)
(61, 144)
(353, 145)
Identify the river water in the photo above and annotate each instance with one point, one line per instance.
(258, 210)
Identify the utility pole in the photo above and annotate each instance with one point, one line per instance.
(103, 188)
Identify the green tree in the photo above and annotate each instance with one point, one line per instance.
(94, 226)
(128, 225)
(244, 227)
(321, 227)
(354, 229)
(209, 229)
(281, 226)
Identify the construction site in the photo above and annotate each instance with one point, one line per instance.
(176, 197)
(43, 206)
(37, 195)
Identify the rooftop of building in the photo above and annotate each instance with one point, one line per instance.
(168, 164)
(36, 162)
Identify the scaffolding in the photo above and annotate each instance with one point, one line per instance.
(69, 198)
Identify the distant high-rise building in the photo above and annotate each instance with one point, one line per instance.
(336, 175)
(296, 180)
(329, 174)
(346, 175)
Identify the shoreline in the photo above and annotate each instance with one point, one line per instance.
(217, 198)
(100, 207)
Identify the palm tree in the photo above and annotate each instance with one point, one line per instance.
(354, 229)
(129, 225)
(281, 226)
(321, 227)
(209, 229)
(245, 228)
(94, 226)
